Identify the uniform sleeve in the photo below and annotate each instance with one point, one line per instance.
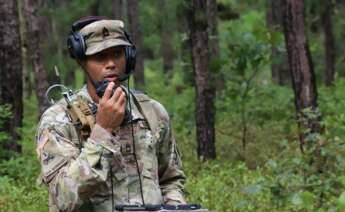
(73, 173)
(171, 175)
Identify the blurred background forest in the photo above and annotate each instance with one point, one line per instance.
(255, 90)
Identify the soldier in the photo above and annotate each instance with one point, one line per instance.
(100, 150)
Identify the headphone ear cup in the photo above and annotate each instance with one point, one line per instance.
(130, 54)
(76, 45)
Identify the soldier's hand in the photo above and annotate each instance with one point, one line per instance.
(111, 109)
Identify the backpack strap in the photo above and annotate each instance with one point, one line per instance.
(146, 108)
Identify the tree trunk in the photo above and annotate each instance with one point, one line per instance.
(213, 28)
(117, 9)
(48, 26)
(94, 7)
(205, 92)
(302, 72)
(93, 10)
(134, 30)
(166, 48)
(11, 90)
(34, 36)
(55, 76)
(185, 48)
(212, 15)
(329, 43)
(341, 2)
(70, 77)
(279, 67)
(27, 87)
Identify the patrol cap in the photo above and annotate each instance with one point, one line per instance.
(104, 34)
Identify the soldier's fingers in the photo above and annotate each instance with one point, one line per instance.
(117, 94)
(119, 102)
(122, 99)
(108, 91)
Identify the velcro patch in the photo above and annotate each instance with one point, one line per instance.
(42, 141)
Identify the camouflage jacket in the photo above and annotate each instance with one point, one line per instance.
(96, 173)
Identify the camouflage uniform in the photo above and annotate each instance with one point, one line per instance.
(86, 174)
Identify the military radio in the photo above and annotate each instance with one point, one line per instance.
(161, 208)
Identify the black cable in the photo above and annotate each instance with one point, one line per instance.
(134, 151)
(112, 188)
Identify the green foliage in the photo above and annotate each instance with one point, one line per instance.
(15, 196)
(19, 190)
(226, 187)
(5, 115)
(176, 96)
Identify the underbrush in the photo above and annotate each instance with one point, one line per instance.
(18, 188)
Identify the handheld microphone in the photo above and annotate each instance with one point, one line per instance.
(103, 84)
(100, 86)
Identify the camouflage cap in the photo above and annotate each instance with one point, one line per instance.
(104, 34)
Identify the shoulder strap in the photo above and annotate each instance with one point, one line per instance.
(147, 110)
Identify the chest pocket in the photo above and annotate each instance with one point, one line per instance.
(145, 141)
(145, 146)
(148, 145)
(145, 138)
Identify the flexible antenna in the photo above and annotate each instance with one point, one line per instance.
(51, 101)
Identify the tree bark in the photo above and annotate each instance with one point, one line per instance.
(27, 87)
(205, 92)
(329, 43)
(166, 48)
(118, 9)
(279, 66)
(135, 32)
(302, 71)
(11, 89)
(34, 36)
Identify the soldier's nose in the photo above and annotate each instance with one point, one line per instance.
(110, 63)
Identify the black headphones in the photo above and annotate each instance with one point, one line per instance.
(77, 48)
